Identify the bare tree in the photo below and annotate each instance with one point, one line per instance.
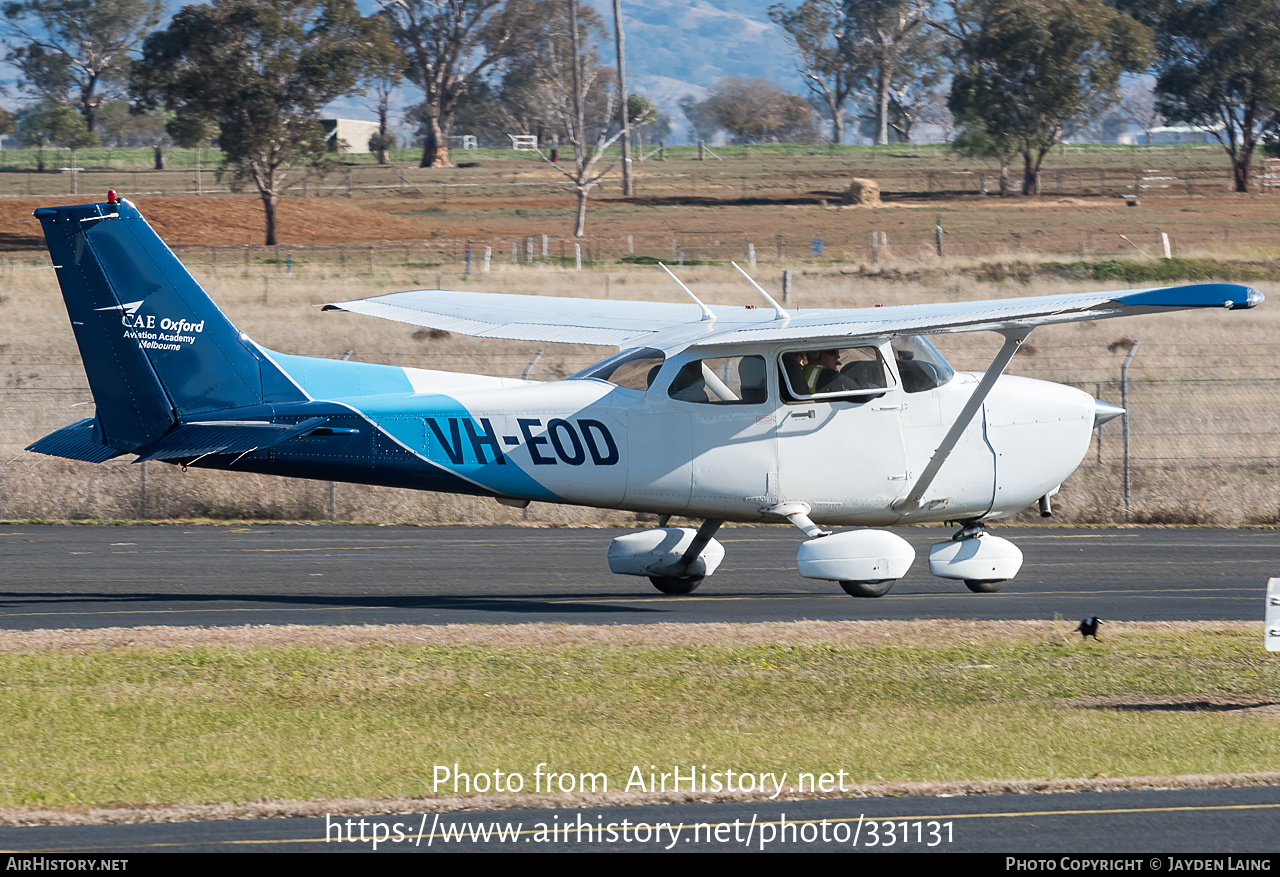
(587, 100)
(1137, 104)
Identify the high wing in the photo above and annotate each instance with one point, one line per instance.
(631, 323)
(541, 318)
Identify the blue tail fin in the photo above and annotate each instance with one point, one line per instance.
(155, 347)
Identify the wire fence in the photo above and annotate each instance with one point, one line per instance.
(653, 180)
(479, 255)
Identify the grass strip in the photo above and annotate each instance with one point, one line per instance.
(110, 718)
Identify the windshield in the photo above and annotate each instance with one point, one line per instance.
(920, 364)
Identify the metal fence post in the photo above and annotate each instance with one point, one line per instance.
(1124, 403)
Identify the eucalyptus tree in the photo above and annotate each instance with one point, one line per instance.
(881, 37)
(50, 123)
(1218, 66)
(260, 71)
(1029, 68)
(824, 54)
(451, 44)
(77, 52)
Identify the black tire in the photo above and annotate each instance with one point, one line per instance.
(984, 586)
(668, 585)
(877, 588)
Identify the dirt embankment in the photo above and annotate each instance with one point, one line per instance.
(227, 220)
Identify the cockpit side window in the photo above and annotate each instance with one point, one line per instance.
(633, 369)
(851, 373)
(920, 365)
(730, 380)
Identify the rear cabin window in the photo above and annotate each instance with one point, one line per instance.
(731, 380)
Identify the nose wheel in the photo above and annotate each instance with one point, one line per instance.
(982, 561)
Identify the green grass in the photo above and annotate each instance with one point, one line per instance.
(131, 725)
(654, 260)
(143, 158)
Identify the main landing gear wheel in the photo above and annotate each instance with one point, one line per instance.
(669, 585)
(979, 586)
(868, 589)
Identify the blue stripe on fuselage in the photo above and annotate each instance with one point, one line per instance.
(384, 394)
(339, 379)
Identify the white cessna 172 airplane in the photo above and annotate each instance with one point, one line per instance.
(818, 417)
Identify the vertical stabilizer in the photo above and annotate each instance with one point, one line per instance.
(155, 346)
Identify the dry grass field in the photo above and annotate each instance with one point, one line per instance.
(1204, 409)
(1204, 421)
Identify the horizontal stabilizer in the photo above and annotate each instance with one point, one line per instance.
(75, 442)
(203, 438)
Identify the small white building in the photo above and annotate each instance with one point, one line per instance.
(1171, 135)
(348, 135)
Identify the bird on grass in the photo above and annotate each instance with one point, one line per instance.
(1089, 627)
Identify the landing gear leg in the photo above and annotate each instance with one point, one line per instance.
(976, 530)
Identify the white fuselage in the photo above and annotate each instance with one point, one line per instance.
(590, 442)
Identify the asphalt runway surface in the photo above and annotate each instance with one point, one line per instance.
(124, 576)
(1088, 824)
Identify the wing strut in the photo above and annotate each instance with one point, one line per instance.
(1013, 338)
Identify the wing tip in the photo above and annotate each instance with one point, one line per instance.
(1232, 296)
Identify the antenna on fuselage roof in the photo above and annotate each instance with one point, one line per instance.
(707, 315)
(779, 313)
